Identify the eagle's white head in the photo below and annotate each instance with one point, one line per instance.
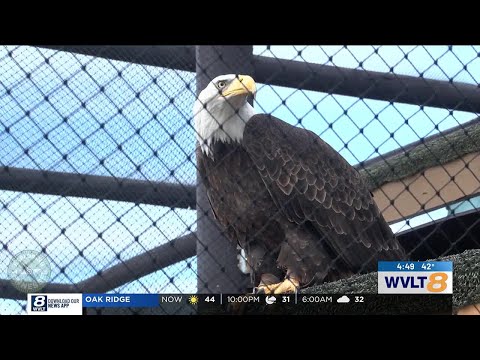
(222, 110)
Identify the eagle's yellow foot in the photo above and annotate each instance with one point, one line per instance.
(240, 308)
(289, 285)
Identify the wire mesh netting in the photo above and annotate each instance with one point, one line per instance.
(99, 171)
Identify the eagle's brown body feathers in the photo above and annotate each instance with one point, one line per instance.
(292, 202)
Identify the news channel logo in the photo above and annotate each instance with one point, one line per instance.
(409, 277)
(54, 304)
(39, 303)
(29, 271)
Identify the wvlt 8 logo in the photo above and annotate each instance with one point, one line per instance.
(39, 303)
(408, 277)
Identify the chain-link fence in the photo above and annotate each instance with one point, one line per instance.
(98, 177)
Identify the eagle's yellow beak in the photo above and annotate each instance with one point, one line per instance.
(243, 84)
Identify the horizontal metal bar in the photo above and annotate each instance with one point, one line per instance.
(129, 270)
(174, 57)
(368, 84)
(97, 187)
(308, 76)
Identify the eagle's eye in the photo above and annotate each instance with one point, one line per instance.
(221, 84)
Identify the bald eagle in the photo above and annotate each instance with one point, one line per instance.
(298, 210)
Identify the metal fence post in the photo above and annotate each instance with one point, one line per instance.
(216, 256)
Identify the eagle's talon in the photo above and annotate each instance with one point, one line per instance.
(287, 286)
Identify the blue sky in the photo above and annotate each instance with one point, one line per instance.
(149, 122)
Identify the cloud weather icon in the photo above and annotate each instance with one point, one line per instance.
(270, 300)
(343, 300)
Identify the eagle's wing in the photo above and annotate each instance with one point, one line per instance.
(311, 182)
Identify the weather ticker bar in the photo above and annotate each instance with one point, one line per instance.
(281, 304)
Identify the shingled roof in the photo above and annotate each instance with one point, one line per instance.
(434, 150)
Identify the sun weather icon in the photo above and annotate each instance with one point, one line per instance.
(193, 299)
